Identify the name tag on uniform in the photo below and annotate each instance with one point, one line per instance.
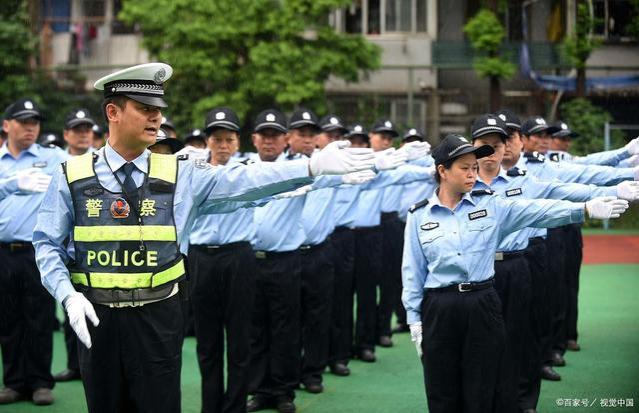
(429, 225)
(478, 214)
(514, 192)
(42, 164)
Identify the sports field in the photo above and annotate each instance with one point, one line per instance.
(606, 368)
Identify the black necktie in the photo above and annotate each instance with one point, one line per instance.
(130, 189)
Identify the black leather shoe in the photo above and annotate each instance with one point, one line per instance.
(572, 345)
(548, 373)
(400, 328)
(8, 396)
(258, 403)
(314, 387)
(367, 356)
(340, 369)
(67, 375)
(42, 397)
(558, 360)
(385, 341)
(285, 405)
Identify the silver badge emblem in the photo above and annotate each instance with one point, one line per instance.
(492, 122)
(388, 124)
(306, 116)
(159, 76)
(80, 114)
(334, 121)
(28, 105)
(270, 117)
(220, 115)
(502, 117)
(412, 132)
(357, 128)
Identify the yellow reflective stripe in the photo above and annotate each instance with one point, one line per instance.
(99, 233)
(80, 167)
(129, 280)
(163, 167)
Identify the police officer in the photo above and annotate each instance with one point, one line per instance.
(165, 145)
(26, 324)
(78, 135)
(132, 212)
(222, 268)
(452, 308)
(78, 132)
(195, 138)
(98, 139)
(169, 127)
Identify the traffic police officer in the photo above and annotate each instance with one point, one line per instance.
(26, 325)
(447, 271)
(222, 269)
(129, 219)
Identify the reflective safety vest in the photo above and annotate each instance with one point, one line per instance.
(115, 249)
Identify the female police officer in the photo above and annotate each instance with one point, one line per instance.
(447, 272)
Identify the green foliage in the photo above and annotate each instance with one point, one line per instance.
(577, 47)
(633, 27)
(248, 54)
(588, 121)
(486, 35)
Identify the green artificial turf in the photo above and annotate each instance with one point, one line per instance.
(606, 368)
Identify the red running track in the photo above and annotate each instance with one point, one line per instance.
(611, 249)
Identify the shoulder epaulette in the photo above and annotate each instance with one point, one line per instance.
(534, 157)
(183, 157)
(247, 161)
(418, 205)
(554, 157)
(514, 171)
(482, 192)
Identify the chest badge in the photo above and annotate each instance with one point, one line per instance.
(120, 208)
(42, 164)
(429, 225)
(514, 192)
(478, 214)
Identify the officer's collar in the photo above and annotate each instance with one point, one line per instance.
(500, 176)
(434, 201)
(34, 150)
(116, 161)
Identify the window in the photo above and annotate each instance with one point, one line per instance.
(385, 16)
(613, 19)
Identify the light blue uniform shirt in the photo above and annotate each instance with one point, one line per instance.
(526, 186)
(19, 210)
(413, 193)
(444, 247)
(199, 190)
(568, 172)
(318, 218)
(606, 158)
(221, 229)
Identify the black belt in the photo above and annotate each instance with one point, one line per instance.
(342, 228)
(98, 296)
(16, 246)
(505, 256)
(367, 229)
(309, 248)
(536, 241)
(463, 287)
(389, 216)
(263, 255)
(223, 247)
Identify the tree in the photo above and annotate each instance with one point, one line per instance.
(633, 26)
(578, 45)
(486, 35)
(248, 54)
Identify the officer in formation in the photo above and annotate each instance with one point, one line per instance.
(27, 310)
(110, 234)
(453, 309)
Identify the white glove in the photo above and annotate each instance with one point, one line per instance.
(33, 180)
(606, 207)
(338, 159)
(415, 150)
(633, 161)
(357, 178)
(301, 191)
(633, 146)
(194, 153)
(628, 190)
(416, 337)
(389, 159)
(78, 310)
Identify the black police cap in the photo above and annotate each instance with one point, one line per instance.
(194, 135)
(304, 117)
(357, 130)
(563, 131)
(22, 109)
(270, 119)
(50, 139)
(536, 125)
(385, 126)
(163, 139)
(413, 133)
(487, 124)
(167, 124)
(78, 117)
(98, 130)
(331, 123)
(508, 116)
(453, 146)
(223, 118)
